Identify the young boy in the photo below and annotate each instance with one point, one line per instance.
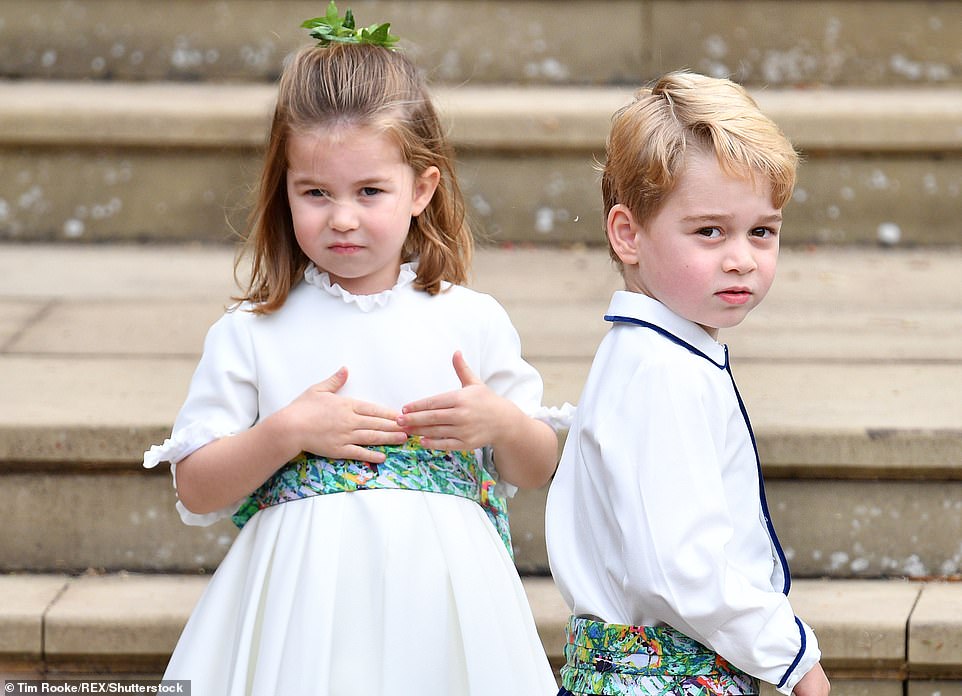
(658, 530)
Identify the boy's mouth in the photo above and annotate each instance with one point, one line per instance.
(735, 296)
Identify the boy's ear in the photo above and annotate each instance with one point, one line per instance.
(623, 234)
(425, 185)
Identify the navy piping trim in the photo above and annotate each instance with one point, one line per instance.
(670, 336)
(761, 491)
(801, 651)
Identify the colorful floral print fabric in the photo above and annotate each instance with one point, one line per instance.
(612, 659)
(409, 466)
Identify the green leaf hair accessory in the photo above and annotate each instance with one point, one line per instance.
(332, 29)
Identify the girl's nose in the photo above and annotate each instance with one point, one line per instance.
(343, 217)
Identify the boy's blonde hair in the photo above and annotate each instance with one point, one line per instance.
(650, 136)
(355, 85)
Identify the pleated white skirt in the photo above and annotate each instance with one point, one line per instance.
(371, 593)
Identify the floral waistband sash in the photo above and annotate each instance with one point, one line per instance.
(614, 659)
(409, 467)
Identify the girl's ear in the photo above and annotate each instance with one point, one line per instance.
(424, 187)
(623, 234)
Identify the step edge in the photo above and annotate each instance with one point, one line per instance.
(189, 115)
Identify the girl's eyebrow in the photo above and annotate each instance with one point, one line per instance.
(302, 179)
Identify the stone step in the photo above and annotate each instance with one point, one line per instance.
(825, 42)
(175, 162)
(850, 370)
(883, 637)
(76, 516)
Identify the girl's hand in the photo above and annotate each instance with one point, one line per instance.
(465, 419)
(321, 422)
(318, 421)
(474, 416)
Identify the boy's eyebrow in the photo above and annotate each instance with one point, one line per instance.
(707, 217)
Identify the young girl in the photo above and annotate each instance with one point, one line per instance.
(340, 411)
(658, 531)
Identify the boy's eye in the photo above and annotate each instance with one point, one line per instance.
(710, 232)
(763, 232)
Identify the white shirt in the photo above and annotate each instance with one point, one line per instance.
(657, 513)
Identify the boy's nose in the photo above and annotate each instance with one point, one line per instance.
(739, 258)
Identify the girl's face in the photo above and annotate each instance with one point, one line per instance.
(709, 253)
(352, 198)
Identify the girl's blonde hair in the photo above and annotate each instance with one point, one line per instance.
(650, 136)
(355, 85)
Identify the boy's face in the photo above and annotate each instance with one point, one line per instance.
(709, 253)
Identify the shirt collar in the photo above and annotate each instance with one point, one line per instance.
(635, 308)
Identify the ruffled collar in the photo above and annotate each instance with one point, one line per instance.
(321, 279)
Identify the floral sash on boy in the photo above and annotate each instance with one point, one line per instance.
(617, 660)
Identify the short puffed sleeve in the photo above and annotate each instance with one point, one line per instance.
(221, 401)
(508, 374)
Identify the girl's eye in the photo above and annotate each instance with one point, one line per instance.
(316, 193)
(710, 232)
(370, 191)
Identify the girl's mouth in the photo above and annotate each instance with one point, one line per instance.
(345, 248)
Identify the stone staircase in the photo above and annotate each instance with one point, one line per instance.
(129, 135)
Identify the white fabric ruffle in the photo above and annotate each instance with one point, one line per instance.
(321, 279)
(182, 444)
(179, 446)
(558, 417)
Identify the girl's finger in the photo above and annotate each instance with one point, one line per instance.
(334, 382)
(432, 403)
(429, 430)
(361, 454)
(464, 372)
(384, 425)
(363, 408)
(427, 419)
(379, 437)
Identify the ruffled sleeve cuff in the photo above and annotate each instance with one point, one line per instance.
(195, 520)
(178, 446)
(182, 443)
(558, 417)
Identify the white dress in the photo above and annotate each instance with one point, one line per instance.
(375, 592)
